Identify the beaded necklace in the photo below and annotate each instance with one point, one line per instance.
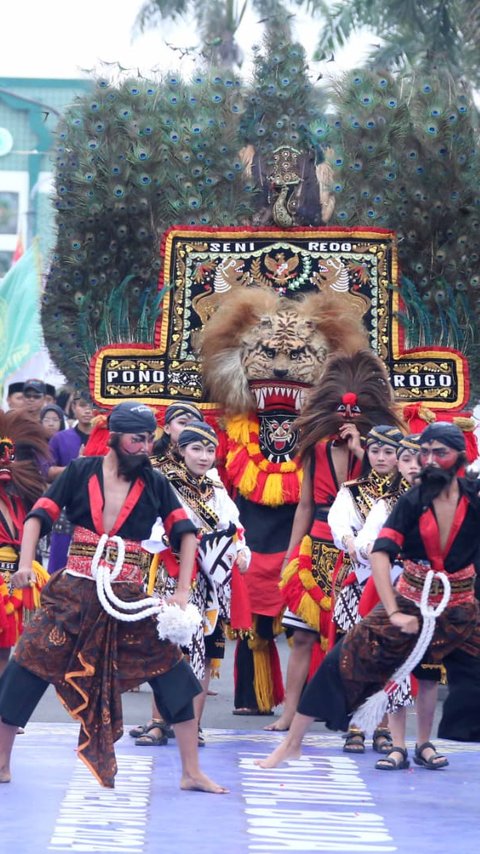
(193, 491)
(367, 491)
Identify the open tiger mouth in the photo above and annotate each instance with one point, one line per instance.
(278, 395)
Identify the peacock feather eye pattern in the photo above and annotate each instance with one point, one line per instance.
(136, 155)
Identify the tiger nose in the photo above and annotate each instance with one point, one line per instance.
(280, 372)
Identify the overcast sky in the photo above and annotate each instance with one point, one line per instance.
(63, 38)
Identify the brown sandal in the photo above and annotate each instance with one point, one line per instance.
(147, 739)
(137, 731)
(382, 740)
(434, 762)
(388, 763)
(354, 741)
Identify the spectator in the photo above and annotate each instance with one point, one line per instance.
(50, 393)
(53, 419)
(65, 446)
(34, 394)
(15, 398)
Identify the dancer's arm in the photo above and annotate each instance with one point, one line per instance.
(31, 534)
(381, 573)
(188, 548)
(351, 435)
(370, 531)
(344, 521)
(302, 520)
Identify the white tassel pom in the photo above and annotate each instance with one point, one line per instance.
(176, 624)
(371, 712)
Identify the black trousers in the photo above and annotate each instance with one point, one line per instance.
(460, 719)
(21, 691)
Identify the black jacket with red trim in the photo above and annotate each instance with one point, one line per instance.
(79, 489)
(410, 523)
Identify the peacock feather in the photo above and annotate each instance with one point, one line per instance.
(404, 155)
(132, 159)
(137, 156)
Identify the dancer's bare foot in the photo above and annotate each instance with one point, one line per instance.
(282, 753)
(5, 776)
(201, 783)
(280, 725)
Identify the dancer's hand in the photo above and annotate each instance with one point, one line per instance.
(180, 598)
(23, 578)
(242, 561)
(350, 434)
(348, 543)
(407, 623)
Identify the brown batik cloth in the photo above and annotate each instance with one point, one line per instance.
(91, 658)
(375, 649)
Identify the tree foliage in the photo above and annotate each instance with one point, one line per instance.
(414, 33)
(217, 21)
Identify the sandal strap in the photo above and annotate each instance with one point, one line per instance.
(354, 733)
(402, 750)
(382, 732)
(419, 748)
(154, 725)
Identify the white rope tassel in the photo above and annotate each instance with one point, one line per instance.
(372, 710)
(174, 623)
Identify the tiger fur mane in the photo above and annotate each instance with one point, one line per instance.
(258, 335)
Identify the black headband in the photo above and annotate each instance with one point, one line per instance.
(130, 417)
(409, 443)
(446, 433)
(176, 409)
(197, 431)
(383, 434)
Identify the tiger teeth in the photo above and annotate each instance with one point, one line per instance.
(261, 395)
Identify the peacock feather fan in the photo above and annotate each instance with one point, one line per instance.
(280, 108)
(136, 156)
(404, 155)
(133, 158)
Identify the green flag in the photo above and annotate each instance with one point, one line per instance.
(20, 328)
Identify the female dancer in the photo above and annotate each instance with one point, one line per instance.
(222, 551)
(346, 518)
(352, 395)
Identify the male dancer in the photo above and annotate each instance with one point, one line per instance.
(352, 395)
(89, 655)
(434, 525)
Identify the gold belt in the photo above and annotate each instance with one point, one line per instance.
(138, 557)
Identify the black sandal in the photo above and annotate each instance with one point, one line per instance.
(388, 763)
(382, 740)
(354, 741)
(147, 739)
(137, 731)
(435, 762)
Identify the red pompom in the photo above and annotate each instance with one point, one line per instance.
(349, 398)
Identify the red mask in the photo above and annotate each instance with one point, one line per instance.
(7, 456)
(349, 407)
(444, 458)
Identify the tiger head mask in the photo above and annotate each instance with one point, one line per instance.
(260, 350)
